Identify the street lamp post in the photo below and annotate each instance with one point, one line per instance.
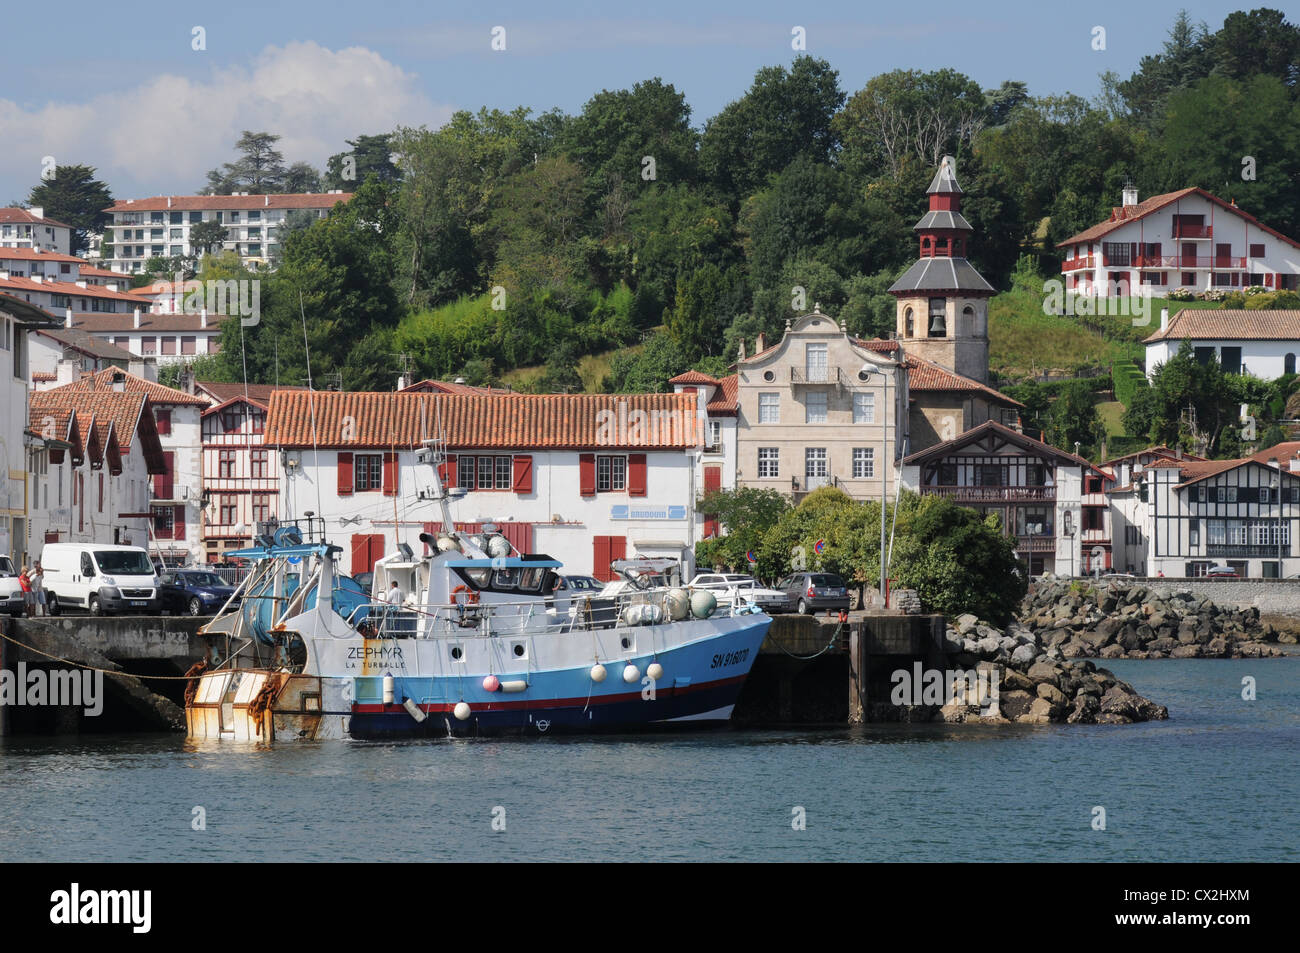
(864, 375)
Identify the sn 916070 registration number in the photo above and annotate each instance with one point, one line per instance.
(729, 658)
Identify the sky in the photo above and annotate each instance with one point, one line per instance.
(155, 94)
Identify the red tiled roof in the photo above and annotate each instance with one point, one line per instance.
(923, 375)
(449, 387)
(10, 216)
(693, 377)
(1198, 324)
(63, 288)
(182, 203)
(105, 273)
(726, 402)
(86, 343)
(150, 323)
(35, 254)
(44, 376)
(102, 382)
(221, 391)
(108, 422)
(1122, 215)
(482, 421)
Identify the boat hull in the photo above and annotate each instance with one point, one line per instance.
(701, 680)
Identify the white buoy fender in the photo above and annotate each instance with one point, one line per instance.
(678, 604)
(516, 685)
(461, 711)
(655, 671)
(703, 603)
(414, 710)
(389, 693)
(598, 672)
(631, 674)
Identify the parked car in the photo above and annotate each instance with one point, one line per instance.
(1222, 572)
(101, 577)
(746, 588)
(579, 584)
(193, 591)
(811, 591)
(11, 592)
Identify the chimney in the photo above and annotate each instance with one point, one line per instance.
(1164, 319)
(81, 283)
(67, 317)
(38, 278)
(111, 285)
(169, 201)
(37, 211)
(1130, 194)
(742, 349)
(137, 318)
(760, 344)
(139, 367)
(4, 274)
(67, 371)
(203, 318)
(401, 382)
(119, 382)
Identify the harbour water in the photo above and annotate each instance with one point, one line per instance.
(1217, 782)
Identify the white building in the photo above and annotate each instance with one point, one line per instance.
(1194, 514)
(52, 266)
(160, 227)
(174, 492)
(1186, 239)
(1051, 501)
(718, 400)
(29, 228)
(92, 475)
(17, 320)
(584, 478)
(1127, 508)
(1262, 343)
(61, 356)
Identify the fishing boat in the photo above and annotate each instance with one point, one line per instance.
(483, 643)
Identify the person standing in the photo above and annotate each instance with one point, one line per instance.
(37, 580)
(25, 583)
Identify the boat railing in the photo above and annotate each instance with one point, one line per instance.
(503, 618)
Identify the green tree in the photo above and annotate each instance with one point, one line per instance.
(535, 226)
(368, 155)
(301, 177)
(1072, 418)
(784, 114)
(745, 514)
(1183, 391)
(75, 197)
(259, 168)
(206, 235)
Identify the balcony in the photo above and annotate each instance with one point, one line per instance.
(1246, 550)
(1185, 261)
(994, 494)
(1074, 264)
(817, 376)
(1183, 230)
(1036, 544)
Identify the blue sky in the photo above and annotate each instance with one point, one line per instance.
(120, 87)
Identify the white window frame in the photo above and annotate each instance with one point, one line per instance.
(864, 463)
(769, 408)
(866, 413)
(822, 414)
(769, 458)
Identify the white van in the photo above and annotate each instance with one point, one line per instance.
(100, 577)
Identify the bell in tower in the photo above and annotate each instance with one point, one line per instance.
(942, 299)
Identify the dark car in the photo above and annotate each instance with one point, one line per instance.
(579, 583)
(193, 591)
(810, 591)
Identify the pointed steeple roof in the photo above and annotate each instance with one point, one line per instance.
(945, 180)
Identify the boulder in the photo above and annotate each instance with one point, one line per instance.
(1112, 651)
(1084, 711)
(1015, 703)
(1186, 651)
(1051, 693)
(1024, 653)
(1045, 672)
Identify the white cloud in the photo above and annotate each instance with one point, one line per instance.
(162, 136)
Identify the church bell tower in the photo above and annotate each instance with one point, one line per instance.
(943, 313)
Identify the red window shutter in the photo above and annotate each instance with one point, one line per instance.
(712, 479)
(345, 473)
(390, 474)
(522, 481)
(162, 482)
(636, 474)
(361, 554)
(710, 528)
(617, 549)
(164, 422)
(376, 550)
(587, 475)
(600, 558)
(447, 471)
(178, 522)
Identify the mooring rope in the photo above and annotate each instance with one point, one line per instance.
(804, 658)
(92, 668)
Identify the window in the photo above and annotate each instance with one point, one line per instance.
(484, 472)
(1131, 536)
(1189, 279)
(909, 323)
(163, 521)
(1288, 364)
(163, 421)
(229, 509)
(769, 408)
(258, 466)
(1116, 254)
(815, 362)
(232, 419)
(611, 474)
(225, 464)
(769, 462)
(168, 344)
(715, 433)
(1256, 251)
(815, 408)
(864, 408)
(261, 507)
(1193, 532)
(864, 462)
(368, 471)
(814, 462)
